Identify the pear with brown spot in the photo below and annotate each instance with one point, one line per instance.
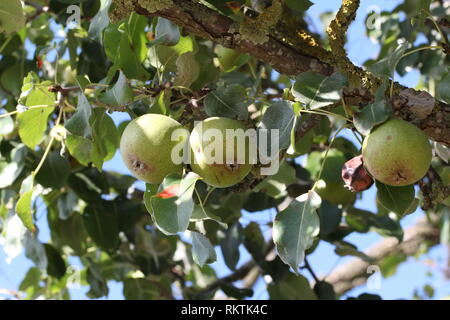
(146, 147)
(210, 159)
(397, 153)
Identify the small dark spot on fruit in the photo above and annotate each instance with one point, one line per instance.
(389, 138)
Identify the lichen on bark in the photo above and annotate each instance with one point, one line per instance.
(256, 30)
(153, 6)
(120, 9)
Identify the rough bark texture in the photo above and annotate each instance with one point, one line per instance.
(285, 58)
(209, 24)
(354, 273)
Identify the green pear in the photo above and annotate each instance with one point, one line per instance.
(209, 157)
(146, 147)
(397, 153)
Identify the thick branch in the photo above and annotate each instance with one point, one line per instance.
(209, 24)
(354, 273)
(282, 56)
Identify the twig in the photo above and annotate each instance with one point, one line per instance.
(308, 267)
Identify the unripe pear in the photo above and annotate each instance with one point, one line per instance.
(330, 186)
(146, 147)
(219, 170)
(397, 153)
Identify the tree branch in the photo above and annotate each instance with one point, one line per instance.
(287, 57)
(354, 273)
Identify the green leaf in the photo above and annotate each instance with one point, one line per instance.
(237, 293)
(23, 205)
(31, 283)
(101, 223)
(66, 204)
(11, 79)
(35, 251)
(330, 218)
(366, 296)
(324, 291)
(300, 6)
(230, 243)
(172, 206)
(386, 66)
(79, 124)
(167, 33)
(105, 134)
(291, 287)
(363, 221)
(84, 150)
(54, 172)
(56, 266)
(279, 116)
(98, 284)
(32, 123)
(12, 18)
(344, 248)
(295, 227)
(227, 101)
(70, 232)
(202, 250)
(202, 214)
(100, 21)
(395, 199)
(442, 91)
(373, 114)
(120, 94)
(188, 70)
(318, 91)
(140, 289)
(389, 264)
(165, 56)
(254, 242)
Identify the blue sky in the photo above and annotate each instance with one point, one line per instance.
(410, 275)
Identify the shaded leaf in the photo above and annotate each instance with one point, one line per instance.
(23, 205)
(318, 91)
(171, 214)
(395, 199)
(100, 21)
(120, 94)
(295, 227)
(101, 223)
(280, 116)
(227, 101)
(202, 249)
(12, 18)
(56, 266)
(291, 287)
(229, 244)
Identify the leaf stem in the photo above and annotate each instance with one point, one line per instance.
(326, 155)
(4, 115)
(208, 194)
(420, 49)
(47, 150)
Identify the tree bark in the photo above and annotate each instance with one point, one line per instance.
(287, 59)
